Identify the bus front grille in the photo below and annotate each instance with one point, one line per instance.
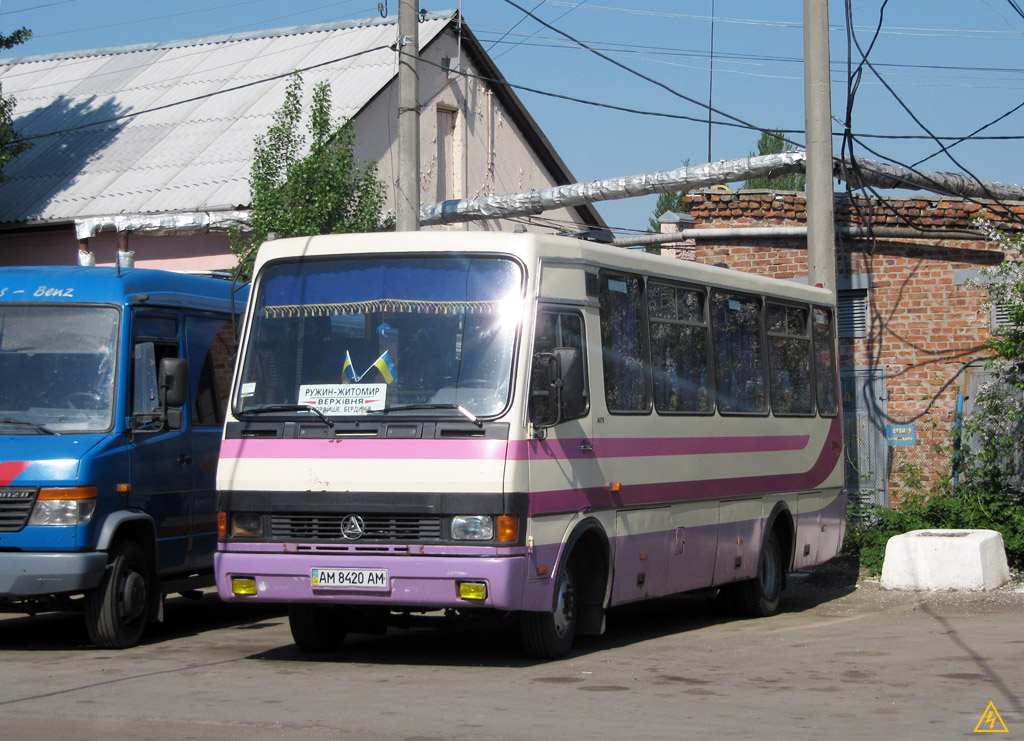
(374, 527)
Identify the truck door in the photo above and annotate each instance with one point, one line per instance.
(210, 348)
(160, 459)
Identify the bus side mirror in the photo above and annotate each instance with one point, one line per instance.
(557, 389)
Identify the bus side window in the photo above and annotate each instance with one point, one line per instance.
(823, 332)
(789, 359)
(554, 329)
(623, 343)
(680, 343)
(738, 353)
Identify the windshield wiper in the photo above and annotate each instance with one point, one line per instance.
(412, 407)
(272, 408)
(33, 425)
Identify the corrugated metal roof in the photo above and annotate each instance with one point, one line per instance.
(168, 127)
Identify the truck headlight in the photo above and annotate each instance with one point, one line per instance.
(64, 506)
(472, 527)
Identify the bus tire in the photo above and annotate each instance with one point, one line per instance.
(549, 635)
(116, 609)
(317, 628)
(759, 597)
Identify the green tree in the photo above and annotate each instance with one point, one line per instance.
(772, 142)
(11, 144)
(674, 202)
(324, 191)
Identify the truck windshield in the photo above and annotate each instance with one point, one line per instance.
(57, 368)
(402, 334)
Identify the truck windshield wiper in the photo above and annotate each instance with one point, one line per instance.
(33, 425)
(412, 407)
(272, 408)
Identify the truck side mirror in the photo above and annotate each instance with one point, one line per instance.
(173, 383)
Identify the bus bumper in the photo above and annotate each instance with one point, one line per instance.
(426, 582)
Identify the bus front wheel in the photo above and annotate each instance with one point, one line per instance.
(317, 628)
(549, 635)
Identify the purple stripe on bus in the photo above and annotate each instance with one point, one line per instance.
(631, 447)
(633, 495)
(552, 449)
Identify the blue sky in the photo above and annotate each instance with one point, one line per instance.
(954, 67)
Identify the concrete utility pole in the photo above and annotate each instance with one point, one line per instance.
(407, 194)
(821, 243)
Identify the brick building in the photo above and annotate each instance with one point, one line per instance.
(911, 324)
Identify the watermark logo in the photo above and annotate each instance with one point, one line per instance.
(991, 721)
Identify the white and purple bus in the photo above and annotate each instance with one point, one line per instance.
(523, 424)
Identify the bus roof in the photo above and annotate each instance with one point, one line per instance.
(529, 247)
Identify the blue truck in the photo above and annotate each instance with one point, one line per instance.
(113, 384)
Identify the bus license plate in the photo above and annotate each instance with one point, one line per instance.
(349, 578)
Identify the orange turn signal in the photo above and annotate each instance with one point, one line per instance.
(222, 524)
(71, 492)
(508, 528)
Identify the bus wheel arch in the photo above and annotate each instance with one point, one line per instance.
(580, 593)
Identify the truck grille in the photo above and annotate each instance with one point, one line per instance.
(375, 527)
(15, 507)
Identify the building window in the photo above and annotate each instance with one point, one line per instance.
(447, 154)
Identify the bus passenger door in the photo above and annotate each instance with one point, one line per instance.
(563, 461)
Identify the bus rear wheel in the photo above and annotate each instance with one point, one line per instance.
(760, 597)
(317, 628)
(549, 635)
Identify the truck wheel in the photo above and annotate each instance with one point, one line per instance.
(760, 597)
(549, 635)
(115, 611)
(318, 628)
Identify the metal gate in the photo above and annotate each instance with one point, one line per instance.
(866, 450)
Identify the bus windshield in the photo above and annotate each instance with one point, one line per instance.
(364, 336)
(57, 368)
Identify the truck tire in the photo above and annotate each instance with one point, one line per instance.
(116, 610)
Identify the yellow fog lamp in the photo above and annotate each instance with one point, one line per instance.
(472, 590)
(243, 586)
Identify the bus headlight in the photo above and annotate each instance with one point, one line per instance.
(245, 525)
(64, 506)
(472, 527)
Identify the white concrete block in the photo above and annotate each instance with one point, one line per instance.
(969, 560)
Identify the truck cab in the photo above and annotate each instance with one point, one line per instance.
(113, 384)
